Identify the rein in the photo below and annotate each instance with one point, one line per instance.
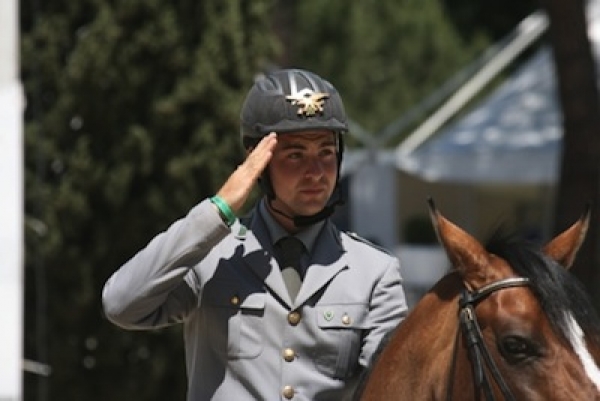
(478, 352)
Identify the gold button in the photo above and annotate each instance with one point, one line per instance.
(294, 318)
(346, 320)
(235, 300)
(288, 392)
(289, 354)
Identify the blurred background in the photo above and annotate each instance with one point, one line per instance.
(130, 113)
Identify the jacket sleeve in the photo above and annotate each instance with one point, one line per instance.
(157, 286)
(388, 309)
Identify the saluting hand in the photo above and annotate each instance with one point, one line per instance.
(238, 186)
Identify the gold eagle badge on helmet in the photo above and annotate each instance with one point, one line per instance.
(308, 101)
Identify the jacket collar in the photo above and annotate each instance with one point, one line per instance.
(327, 259)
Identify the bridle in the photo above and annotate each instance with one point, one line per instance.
(478, 352)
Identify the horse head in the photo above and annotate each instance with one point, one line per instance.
(508, 322)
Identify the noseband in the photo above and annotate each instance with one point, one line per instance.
(478, 352)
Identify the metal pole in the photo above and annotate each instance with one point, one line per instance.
(526, 33)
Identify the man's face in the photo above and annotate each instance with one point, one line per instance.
(303, 171)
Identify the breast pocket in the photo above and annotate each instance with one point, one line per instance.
(233, 319)
(342, 327)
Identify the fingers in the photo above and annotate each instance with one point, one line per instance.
(239, 185)
(260, 156)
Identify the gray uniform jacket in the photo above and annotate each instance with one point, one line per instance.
(245, 339)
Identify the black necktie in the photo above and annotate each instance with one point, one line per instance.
(290, 252)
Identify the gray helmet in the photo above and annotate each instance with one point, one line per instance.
(291, 100)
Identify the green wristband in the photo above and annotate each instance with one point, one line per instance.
(224, 209)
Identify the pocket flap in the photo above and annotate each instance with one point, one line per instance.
(255, 300)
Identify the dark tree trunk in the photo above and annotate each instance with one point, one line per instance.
(580, 164)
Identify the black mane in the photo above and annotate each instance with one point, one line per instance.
(559, 292)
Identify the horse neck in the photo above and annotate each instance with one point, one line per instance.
(434, 317)
(429, 332)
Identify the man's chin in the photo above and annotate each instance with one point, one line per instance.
(309, 211)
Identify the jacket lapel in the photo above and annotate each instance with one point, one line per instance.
(327, 260)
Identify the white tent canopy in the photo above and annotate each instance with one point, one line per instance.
(513, 136)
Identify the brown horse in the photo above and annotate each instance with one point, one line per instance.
(507, 323)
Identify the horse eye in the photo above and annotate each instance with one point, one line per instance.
(517, 349)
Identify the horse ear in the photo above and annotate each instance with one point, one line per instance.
(466, 254)
(564, 247)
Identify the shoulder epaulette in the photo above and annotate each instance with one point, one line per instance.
(358, 238)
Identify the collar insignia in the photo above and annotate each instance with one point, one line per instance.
(309, 102)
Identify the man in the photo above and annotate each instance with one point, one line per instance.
(267, 317)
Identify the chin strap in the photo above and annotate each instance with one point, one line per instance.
(303, 221)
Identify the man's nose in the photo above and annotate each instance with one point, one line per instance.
(314, 166)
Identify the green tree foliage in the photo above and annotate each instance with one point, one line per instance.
(132, 118)
(492, 18)
(384, 56)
